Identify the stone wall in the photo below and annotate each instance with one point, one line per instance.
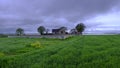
(42, 36)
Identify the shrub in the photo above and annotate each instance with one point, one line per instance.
(3, 36)
(2, 54)
(34, 45)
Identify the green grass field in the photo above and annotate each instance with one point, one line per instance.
(75, 52)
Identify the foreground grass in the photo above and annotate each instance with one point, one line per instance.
(75, 52)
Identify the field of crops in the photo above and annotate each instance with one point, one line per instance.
(75, 52)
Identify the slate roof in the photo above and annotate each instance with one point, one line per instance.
(55, 30)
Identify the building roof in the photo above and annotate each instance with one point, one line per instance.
(55, 30)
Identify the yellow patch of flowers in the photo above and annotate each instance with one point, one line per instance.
(36, 44)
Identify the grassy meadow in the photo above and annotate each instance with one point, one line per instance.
(74, 52)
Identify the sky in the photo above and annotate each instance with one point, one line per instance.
(98, 15)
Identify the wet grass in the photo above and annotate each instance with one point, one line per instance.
(75, 52)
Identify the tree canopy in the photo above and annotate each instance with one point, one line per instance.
(20, 31)
(41, 30)
(80, 28)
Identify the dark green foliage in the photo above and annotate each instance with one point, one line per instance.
(75, 52)
(80, 28)
(41, 30)
(3, 36)
(20, 31)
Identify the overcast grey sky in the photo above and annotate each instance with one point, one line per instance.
(97, 15)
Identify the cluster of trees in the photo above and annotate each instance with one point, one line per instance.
(3, 35)
(41, 29)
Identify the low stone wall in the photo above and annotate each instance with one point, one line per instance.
(42, 36)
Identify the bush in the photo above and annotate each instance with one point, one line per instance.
(2, 36)
(2, 54)
(34, 45)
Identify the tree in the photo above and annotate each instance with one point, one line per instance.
(41, 30)
(80, 28)
(20, 31)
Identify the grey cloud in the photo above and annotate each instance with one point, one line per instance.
(80, 8)
(10, 25)
(30, 14)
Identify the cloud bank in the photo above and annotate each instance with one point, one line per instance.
(29, 14)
